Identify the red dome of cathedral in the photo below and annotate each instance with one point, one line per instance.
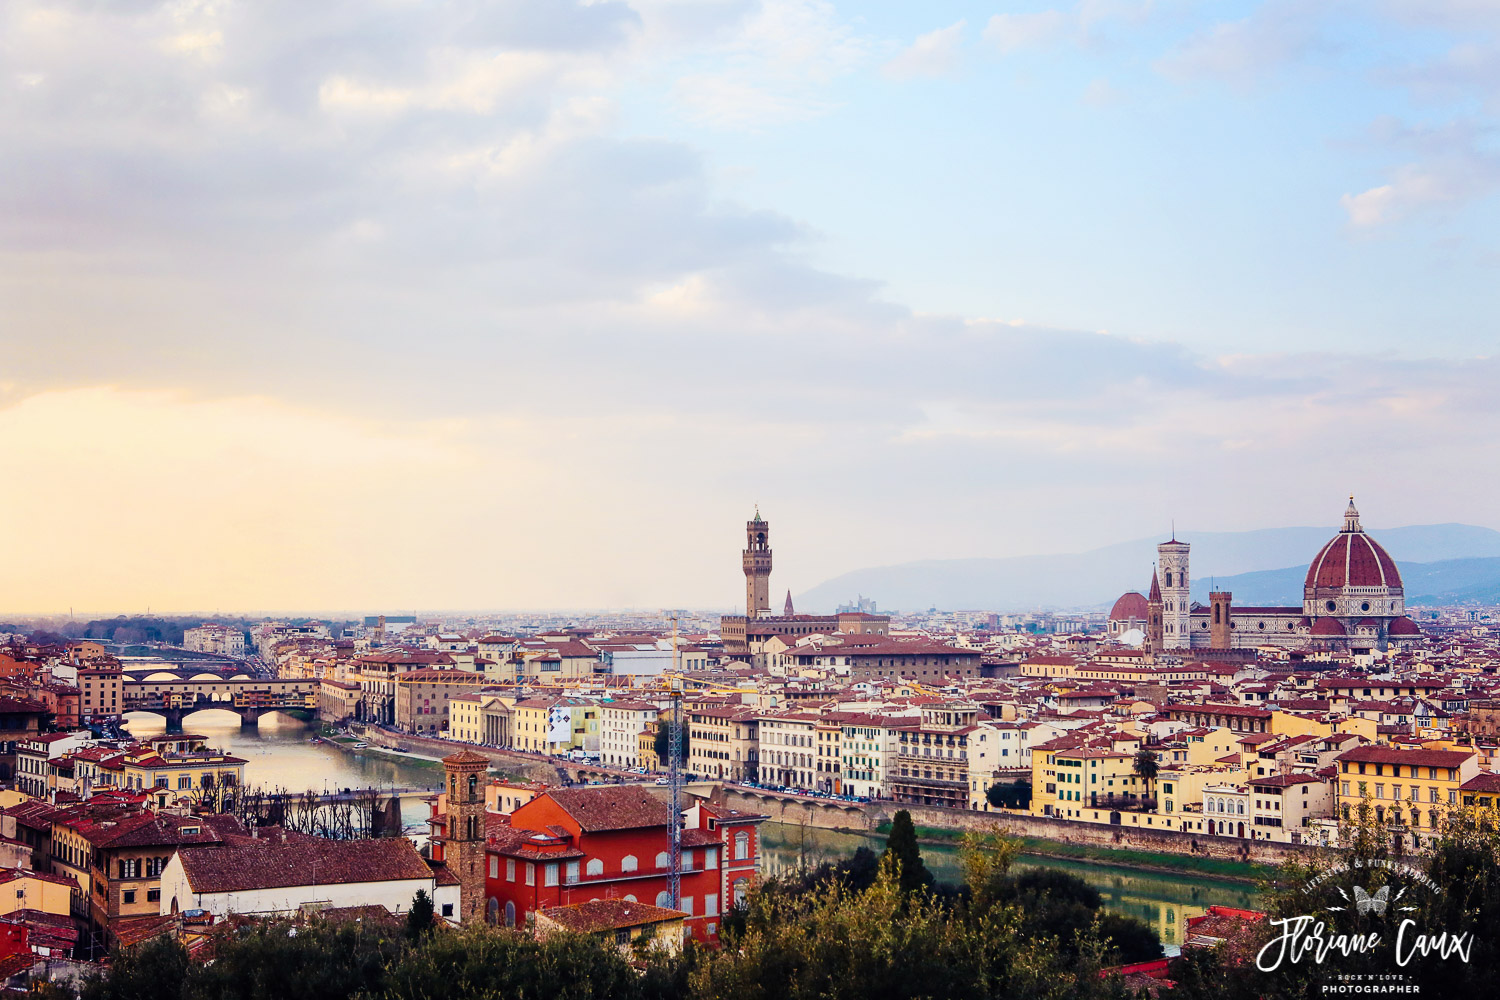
(1131, 605)
(1404, 626)
(1352, 559)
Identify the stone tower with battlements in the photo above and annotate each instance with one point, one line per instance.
(1220, 624)
(463, 838)
(757, 561)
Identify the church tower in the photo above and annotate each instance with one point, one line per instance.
(1176, 603)
(464, 836)
(1220, 622)
(757, 560)
(1153, 614)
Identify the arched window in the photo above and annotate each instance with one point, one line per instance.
(594, 867)
(741, 890)
(473, 786)
(628, 863)
(630, 897)
(492, 911)
(510, 914)
(663, 859)
(663, 898)
(742, 845)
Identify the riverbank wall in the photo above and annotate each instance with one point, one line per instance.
(521, 765)
(869, 817)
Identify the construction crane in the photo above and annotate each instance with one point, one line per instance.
(674, 777)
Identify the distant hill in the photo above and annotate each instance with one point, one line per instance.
(1452, 559)
(1447, 581)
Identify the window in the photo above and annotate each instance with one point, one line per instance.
(128, 896)
(711, 905)
(741, 889)
(741, 845)
(510, 869)
(664, 898)
(687, 905)
(530, 873)
(153, 895)
(549, 873)
(594, 867)
(628, 863)
(572, 872)
(663, 859)
(447, 909)
(510, 914)
(494, 867)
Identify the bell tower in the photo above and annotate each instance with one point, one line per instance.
(464, 836)
(757, 561)
(1220, 622)
(1172, 557)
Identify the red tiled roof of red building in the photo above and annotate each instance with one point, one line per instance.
(602, 808)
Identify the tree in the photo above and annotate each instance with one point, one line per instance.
(419, 917)
(662, 743)
(1145, 765)
(902, 850)
(1009, 795)
(154, 970)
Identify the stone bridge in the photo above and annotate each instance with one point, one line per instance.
(247, 697)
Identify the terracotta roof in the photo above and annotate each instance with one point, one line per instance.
(609, 914)
(1420, 758)
(618, 807)
(266, 864)
(1353, 559)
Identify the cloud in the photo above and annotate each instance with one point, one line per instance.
(773, 67)
(1042, 29)
(1454, 166)
(1243, 51)
(936, 53)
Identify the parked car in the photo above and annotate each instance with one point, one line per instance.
(661, 781)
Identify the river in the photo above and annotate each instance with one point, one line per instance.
(1162, 900)
(278, 755)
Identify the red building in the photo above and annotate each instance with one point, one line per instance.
(573, 845)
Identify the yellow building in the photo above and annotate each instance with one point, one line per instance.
(184, 771)
(555, 726)
(1067, 780)
(1414, 789)
(23, 889)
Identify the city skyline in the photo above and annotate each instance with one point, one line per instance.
(363, 308)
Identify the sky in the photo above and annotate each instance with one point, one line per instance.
(383, 304)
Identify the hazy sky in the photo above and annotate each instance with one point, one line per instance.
(380, 305)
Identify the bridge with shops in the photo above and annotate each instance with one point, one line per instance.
(247, 697)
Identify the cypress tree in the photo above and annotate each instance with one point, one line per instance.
(902, 848)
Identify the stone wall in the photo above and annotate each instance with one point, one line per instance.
(527, 766)
(867, 817)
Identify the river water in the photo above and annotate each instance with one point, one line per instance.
(1164, 901)
(278, 755)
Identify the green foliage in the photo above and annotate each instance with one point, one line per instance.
(419, 917)
(904, 854)
(851, 930)
(1145, 764)
(663, 744)
(483, 962)
(155, 970)
(1009, 795)
(287, 961)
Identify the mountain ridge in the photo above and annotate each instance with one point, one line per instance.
(1098, 576)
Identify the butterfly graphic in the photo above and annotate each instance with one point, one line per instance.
(1366, 903)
